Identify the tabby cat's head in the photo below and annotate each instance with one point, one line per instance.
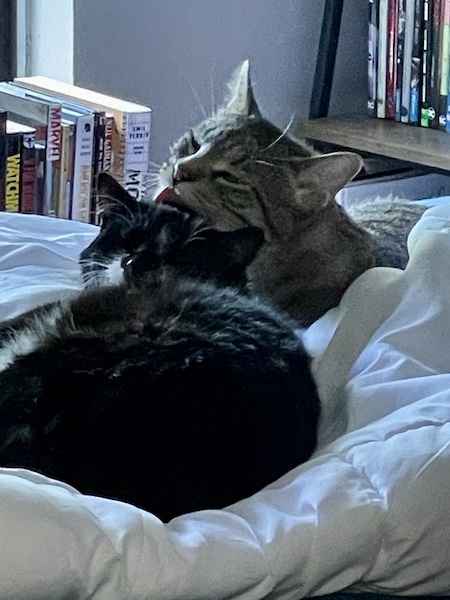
(236, 168)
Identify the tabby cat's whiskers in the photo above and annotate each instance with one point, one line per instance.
(281, 136)
(197, 97)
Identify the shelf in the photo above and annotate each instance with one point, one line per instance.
(419, 145)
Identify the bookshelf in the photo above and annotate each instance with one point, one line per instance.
(382, 137)
(427, 147)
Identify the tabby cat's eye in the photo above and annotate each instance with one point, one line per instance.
(189, 145)
(226, 176)
(195, 146)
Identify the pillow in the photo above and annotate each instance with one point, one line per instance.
(368, 512)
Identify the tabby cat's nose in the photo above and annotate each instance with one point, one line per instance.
(181, 173)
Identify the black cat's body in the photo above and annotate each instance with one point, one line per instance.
(166, 391)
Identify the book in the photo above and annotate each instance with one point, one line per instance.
(382, 58)
(28, 165)
(3, 120)
(82, 172)
(444, 63)
(434, 82)
(131, 132)
(13, 174)
(400, 55)
(373, 57)
(391, 66)
(66, 170)
(416, 64)
(407, 59)
(426, 64)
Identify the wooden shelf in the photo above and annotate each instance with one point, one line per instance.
(419, 145)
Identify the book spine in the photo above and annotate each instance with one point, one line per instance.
(382, 59)
(391, 66)
(53, 147)
(98, 159)
(107, 155)
(426, 64)
(13, 172)
(373, 57)
(62, 204)
(416, 64)
(29, 174)
(433, 111)
(445, 64)
(3, 138)
(400, 55)
(82, 177)
(407, 59)
(137, 153)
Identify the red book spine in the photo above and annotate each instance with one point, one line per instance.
(29, 174)
(391, 65)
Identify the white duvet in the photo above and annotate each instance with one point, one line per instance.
(370, 511)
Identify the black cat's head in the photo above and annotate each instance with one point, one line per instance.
(236, 168)
(146, 239)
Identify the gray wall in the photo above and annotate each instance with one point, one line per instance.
(176, 55)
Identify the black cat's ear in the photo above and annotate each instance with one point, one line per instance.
(319, 178)
(111, 194)
(242, 244)
(242, 100)
(239, 247)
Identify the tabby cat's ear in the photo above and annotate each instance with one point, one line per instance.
(111, 194)
(242, 100)
(326, 175)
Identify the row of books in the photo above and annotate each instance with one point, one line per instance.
(409, 56)
(56, 137)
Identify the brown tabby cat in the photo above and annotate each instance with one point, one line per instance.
(238, 169)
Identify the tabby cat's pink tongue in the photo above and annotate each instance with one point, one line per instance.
(167, 195)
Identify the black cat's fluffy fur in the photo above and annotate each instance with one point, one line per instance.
(170, 392)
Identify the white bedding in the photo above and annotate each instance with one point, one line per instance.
(370, 510)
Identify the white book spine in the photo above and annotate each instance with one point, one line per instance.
(407, 59)
(136, 129)
(382, 58)
(82, 174)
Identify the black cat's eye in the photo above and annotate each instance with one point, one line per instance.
(126, 261)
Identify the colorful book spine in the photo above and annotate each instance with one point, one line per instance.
(373, 57)
(400, 54)
(426, 64)
(29, 173)
(391, 66)
(13, 172)
(416, 64)
(382, 59)
(433, 111)
(407, 59)
(445, 64)
(3, 138)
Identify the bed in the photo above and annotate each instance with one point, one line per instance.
(368, 513)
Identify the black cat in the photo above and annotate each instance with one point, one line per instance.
(167, 391)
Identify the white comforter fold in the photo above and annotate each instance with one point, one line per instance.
(370, 511)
